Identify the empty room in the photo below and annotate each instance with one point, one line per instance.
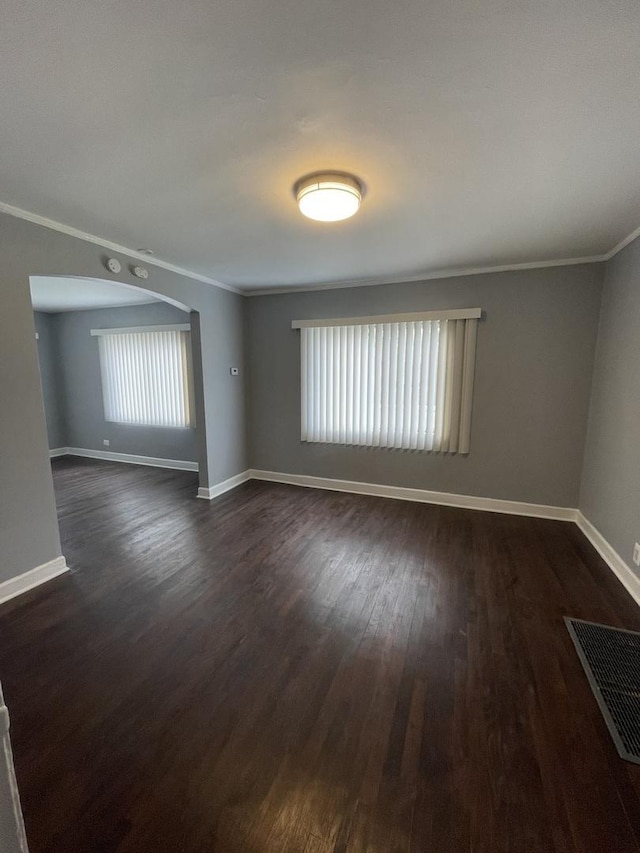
(320, 427)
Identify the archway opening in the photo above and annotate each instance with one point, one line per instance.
(121, 375)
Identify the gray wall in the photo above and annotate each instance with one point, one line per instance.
(79, 366)
(533, 378)
(51, 378)
(28, 524)
(610, 495)
(535, 357)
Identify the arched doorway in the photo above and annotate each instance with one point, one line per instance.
(90, 333)
(71, 313)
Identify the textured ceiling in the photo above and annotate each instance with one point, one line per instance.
(54, 294)
(487, 132)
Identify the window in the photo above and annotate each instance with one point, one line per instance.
(403, 381)
(145, 375)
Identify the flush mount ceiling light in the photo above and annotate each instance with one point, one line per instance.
(328, 196)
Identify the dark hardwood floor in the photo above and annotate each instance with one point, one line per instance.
(284, 669)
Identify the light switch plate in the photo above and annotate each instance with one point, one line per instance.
(106, 442)
(636, 553)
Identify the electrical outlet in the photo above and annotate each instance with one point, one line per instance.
(636, 553)
(106, 442)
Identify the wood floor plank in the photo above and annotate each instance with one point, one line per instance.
(286, 669)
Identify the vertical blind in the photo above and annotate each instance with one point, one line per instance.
(145, 376)
(406, 384)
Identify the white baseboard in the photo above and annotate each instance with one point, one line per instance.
(559, 513)
(208, 494)
(58, 451)
(625, 574)
(131, 459)
(34, 577)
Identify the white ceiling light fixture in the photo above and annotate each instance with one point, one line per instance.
(328, 196)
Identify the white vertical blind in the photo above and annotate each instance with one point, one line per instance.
(145, 377)
(405, 385)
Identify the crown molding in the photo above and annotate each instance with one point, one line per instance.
(622, 245)
(450, 273)
(54, 225)
(428, 276)
(150, 260)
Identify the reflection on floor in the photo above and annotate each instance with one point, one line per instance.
(284, 669)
